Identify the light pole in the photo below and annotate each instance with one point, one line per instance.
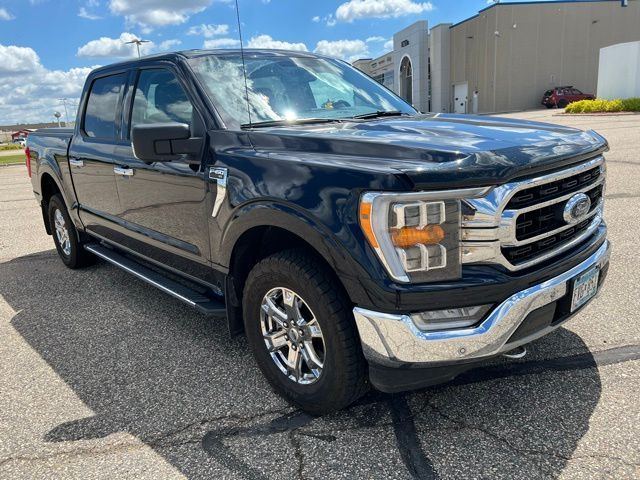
(66, 113)
(138, 42)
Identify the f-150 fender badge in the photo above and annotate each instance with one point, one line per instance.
(219, 175)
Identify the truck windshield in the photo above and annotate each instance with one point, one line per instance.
(291, 88)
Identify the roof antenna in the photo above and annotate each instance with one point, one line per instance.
(244, 68)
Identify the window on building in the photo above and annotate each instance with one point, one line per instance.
(406, 80)
(388, 79)
(404, 43)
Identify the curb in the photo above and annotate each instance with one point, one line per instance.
(10, 164)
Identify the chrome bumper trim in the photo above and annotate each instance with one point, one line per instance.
(393, 339)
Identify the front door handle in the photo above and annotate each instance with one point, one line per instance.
(124, 171)
(74, 162)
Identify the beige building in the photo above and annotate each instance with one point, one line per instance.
(510, 53)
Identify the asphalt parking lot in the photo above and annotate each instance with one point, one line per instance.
(102, 376)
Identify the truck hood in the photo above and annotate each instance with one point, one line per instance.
(435, 150)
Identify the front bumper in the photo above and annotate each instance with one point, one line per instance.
(393, 340)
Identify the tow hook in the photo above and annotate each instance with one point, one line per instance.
(516, 353)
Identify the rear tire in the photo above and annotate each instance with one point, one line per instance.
(65, 236)
(332, 371)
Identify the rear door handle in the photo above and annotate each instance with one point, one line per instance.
(74, 162)
(125, 172)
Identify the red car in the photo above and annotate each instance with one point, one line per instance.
(562, 96)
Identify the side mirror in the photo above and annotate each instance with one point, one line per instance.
(164, 142)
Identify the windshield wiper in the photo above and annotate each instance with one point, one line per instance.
(380, 113)
(298, 121)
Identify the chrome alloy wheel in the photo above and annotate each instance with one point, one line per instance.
(292, 335)
(62, 233)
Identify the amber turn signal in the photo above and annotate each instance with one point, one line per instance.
(365, 223)
(411, 236)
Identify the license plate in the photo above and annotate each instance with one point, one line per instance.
(584, 288)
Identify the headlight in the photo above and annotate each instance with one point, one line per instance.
(416, 235)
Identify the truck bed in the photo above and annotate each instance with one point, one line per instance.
(48, 152)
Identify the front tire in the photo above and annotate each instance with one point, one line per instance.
(302, 334)
(65, 236)
(562, 104)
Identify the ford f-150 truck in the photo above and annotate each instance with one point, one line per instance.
(355, 241)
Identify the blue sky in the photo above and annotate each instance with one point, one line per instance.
(48, 46)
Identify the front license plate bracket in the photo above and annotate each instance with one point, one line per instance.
(584, 288)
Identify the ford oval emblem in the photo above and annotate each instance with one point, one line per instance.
(576, 208)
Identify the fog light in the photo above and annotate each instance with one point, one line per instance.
(450, 318)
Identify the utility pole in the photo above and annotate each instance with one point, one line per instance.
(138, 42)
(66, 113)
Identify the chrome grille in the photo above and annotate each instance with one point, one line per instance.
(522, 223)
(551, 190)
(517, 255)
(543, 220)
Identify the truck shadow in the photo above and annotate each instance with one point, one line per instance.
(149, 366)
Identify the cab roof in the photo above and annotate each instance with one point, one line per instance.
(187, 54)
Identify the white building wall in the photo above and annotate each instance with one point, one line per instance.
(440, 54)
(619, 71)
(416, 46)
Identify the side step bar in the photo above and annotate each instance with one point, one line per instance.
(201, 302)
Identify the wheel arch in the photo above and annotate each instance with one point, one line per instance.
(48, 188)
(265, 231)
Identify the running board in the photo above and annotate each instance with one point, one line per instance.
(199, 301)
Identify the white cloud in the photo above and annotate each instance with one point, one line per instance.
(356, 9)
(346, 49)
(16, 60)
(209, 30)
(29, 92)
(329, 20)
(221, 43)
(388, 45)
(265, 41)
(5, 15)
(375, 39)
(157, 13)
(168, 45)
(114, 47)
(84, 13)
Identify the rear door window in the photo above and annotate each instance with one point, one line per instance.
(102, 105)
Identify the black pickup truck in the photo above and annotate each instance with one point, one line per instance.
(352, 239)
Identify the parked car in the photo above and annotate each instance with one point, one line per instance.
(20, 141)
(562, 96)
(353, 240)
